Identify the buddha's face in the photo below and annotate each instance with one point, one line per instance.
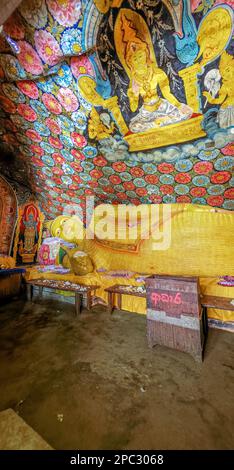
(57, 226)
(73, 229)
(139, 61)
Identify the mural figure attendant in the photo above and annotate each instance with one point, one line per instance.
(99, 126)
(87, 87)
(226, 93)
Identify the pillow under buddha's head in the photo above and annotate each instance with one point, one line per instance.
(80, 262)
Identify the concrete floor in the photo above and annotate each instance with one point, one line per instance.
(92, 382)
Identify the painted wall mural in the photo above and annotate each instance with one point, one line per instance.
(17, 172)
(8, 216)
(129, 101)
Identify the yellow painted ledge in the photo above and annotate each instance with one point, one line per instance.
(167, 135)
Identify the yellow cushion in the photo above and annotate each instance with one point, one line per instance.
(7, 262)
(81, 263)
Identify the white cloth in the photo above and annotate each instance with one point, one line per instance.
(225, 117)
(166, 112)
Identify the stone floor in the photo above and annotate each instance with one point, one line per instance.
(92, 382)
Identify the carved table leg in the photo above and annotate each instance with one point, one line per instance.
(77, 303)
(89, 300)
(205, 320)
(119, 303)
(110, 302)
(40, 291)
(29, 292)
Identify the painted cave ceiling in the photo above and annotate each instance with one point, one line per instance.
(130, 101)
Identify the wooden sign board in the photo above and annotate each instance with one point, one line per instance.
(174, 314)
(173, 295)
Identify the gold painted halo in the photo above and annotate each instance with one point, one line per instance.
(131, 28)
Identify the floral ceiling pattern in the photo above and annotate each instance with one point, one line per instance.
(68, 107)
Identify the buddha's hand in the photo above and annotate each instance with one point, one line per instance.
(186, 110)
(207, 95)
(133, 99)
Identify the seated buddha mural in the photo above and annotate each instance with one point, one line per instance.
(153, 105)
(145, 81)
(136, 53)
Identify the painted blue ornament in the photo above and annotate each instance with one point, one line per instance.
(187, 47)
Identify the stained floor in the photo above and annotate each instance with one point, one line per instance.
(92, 382)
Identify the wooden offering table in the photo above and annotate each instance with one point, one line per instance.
(79, 289)
(119, 290)
(221, 303)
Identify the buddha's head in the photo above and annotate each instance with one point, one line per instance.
(138, 57)
(73, 229)
(56, 226)
(69, 228)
